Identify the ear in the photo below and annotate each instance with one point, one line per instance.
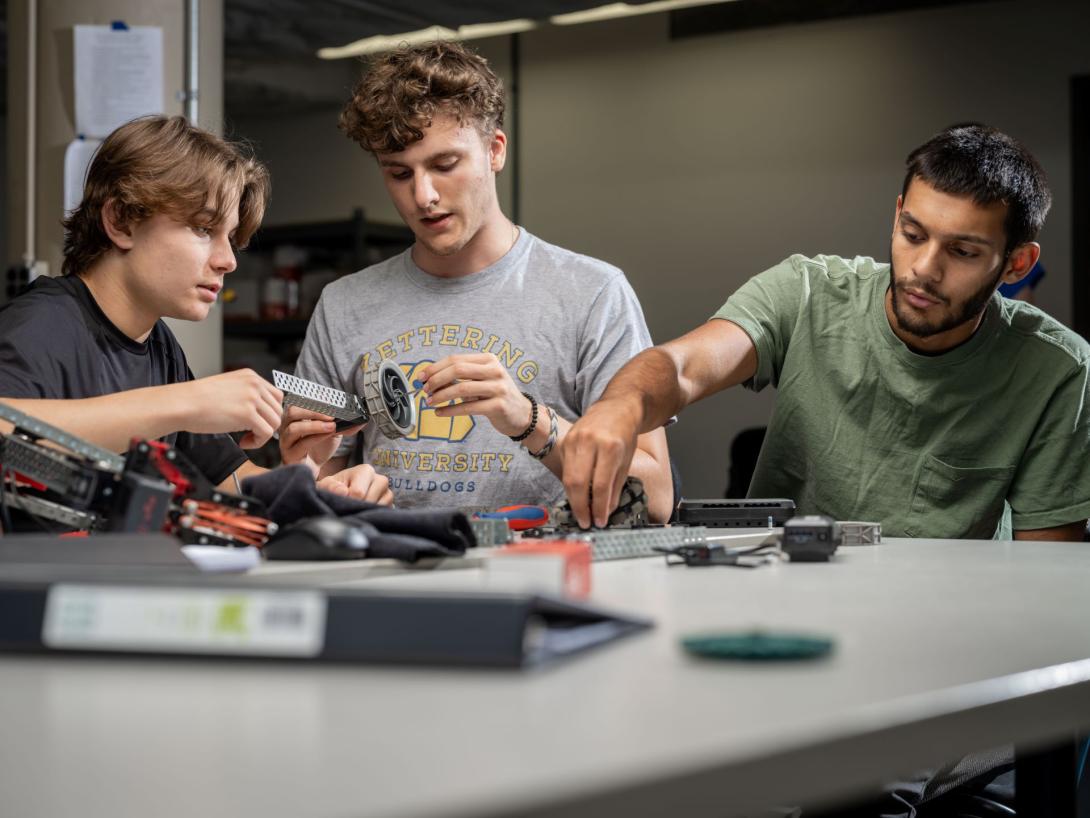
(497, 150)
(897, 211)
(1020, 262)
(118, 231)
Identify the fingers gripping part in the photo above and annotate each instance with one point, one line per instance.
(631, 510)
(389, 399)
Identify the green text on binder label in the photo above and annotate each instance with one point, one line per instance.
(185, 620)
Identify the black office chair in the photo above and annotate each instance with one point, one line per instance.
(744, 450)
(959, 803)
(976, 806)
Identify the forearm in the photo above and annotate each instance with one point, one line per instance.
(539, 438)
(652, 467)
(649, 387)
(659, 382)
(109, 421)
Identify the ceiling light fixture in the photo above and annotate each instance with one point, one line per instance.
(615, 10)
(388, 42)
(476, 31)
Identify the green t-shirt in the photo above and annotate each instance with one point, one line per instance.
(992, 434)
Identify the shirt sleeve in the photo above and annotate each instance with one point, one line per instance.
(215, 456)
(1051, 485)
(615, 331)
(767, 308)
(316, 362)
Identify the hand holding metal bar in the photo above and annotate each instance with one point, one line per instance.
(387, 399)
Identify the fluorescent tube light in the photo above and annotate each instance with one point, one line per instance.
(388, 42)
(615, 10)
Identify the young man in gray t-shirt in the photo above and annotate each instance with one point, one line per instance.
(522, 334)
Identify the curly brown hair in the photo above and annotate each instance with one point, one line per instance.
(402, 91)
(160, 164)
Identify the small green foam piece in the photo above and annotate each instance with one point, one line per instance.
(758, 646)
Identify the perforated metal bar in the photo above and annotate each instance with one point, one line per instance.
(32, 426)
(48, 510)
(319, 398)
(623, 544)
(51, 469)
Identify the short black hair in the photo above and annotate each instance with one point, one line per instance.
(974, 160)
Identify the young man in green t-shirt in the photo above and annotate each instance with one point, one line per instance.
(909, 393)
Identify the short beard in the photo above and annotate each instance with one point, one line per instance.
(959, 314)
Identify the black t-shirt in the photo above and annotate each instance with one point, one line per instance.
(55, 342)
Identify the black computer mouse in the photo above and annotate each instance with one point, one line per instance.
(318, 538)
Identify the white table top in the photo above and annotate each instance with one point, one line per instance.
(941, 647)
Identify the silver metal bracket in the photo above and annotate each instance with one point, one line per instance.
(316, 397)
(387, 400)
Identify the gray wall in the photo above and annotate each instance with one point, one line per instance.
(9, 250)
(694, 164)
(318, 174)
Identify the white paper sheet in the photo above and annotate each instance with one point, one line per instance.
(119, 76)
(77, 157)
(221, 559)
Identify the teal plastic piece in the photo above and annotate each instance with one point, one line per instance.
(758, 646)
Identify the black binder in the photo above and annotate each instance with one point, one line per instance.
(120, 616)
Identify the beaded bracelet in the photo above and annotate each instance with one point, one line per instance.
(533, 420)
(554, 430)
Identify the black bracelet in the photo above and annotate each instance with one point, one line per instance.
(533, 420)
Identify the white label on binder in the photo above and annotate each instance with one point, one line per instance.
(185, 620)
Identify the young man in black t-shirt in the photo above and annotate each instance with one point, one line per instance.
(164, 207)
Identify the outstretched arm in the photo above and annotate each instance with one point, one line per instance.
(234, 401)
(658, 383)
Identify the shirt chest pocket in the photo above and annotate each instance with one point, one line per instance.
(959, 501)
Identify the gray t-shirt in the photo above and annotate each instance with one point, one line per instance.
(561, 323)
